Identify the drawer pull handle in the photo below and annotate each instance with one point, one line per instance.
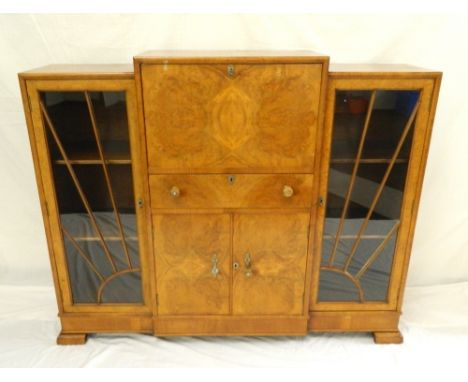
(214, 268)
(175, 192)
(248, 265)
(288, 191)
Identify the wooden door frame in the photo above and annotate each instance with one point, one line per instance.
(44, 176)
(429, 84)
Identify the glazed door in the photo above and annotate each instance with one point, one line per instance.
(376, 133)
(89, 154)
(270, 256)
(193, 263)
(227, 118)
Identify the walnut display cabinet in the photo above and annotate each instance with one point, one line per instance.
(229, 193)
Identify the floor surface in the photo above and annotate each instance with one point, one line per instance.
(434, 325)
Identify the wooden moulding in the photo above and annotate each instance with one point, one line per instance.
(230, 326)
(80, 71)
(231, 56)
(384, 325)
(106, 323)
(348, 71)
(354, 321)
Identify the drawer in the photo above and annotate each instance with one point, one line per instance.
(231, 191)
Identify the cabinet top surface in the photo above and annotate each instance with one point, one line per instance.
(185, 56)
(126, 71)
(346, 69)
(80, 70)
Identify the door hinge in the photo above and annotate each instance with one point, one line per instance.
(157, 300)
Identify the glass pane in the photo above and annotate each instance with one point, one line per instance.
(368, 168)
(70, 115)
(88, 140)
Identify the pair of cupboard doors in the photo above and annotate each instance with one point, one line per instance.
(239, 264)
(232, 185)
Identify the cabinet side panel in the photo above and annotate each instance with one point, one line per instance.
(419, 151)
(40, 187)
(147, 220)
(315, 228)
(419, 184)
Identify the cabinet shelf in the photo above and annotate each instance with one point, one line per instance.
(87, 154)
(366, 161)
(75, 132)
(351, 237)
(92, 161)
(80, 227)
(106, 238)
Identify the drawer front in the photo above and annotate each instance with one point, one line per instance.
(228, 118)
(231, 191)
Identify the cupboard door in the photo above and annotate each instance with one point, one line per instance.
(209, 118)
(270, 256)
(193, 263)
(376, 147)
(87, 164)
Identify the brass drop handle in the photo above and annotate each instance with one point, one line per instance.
(248, 265)
(288, 191)
(175, 192)
(214, 268)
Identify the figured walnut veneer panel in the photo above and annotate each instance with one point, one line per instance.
(277, 245)
(200, 118)
(245, 191)
(184, 250)
(230, 325)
